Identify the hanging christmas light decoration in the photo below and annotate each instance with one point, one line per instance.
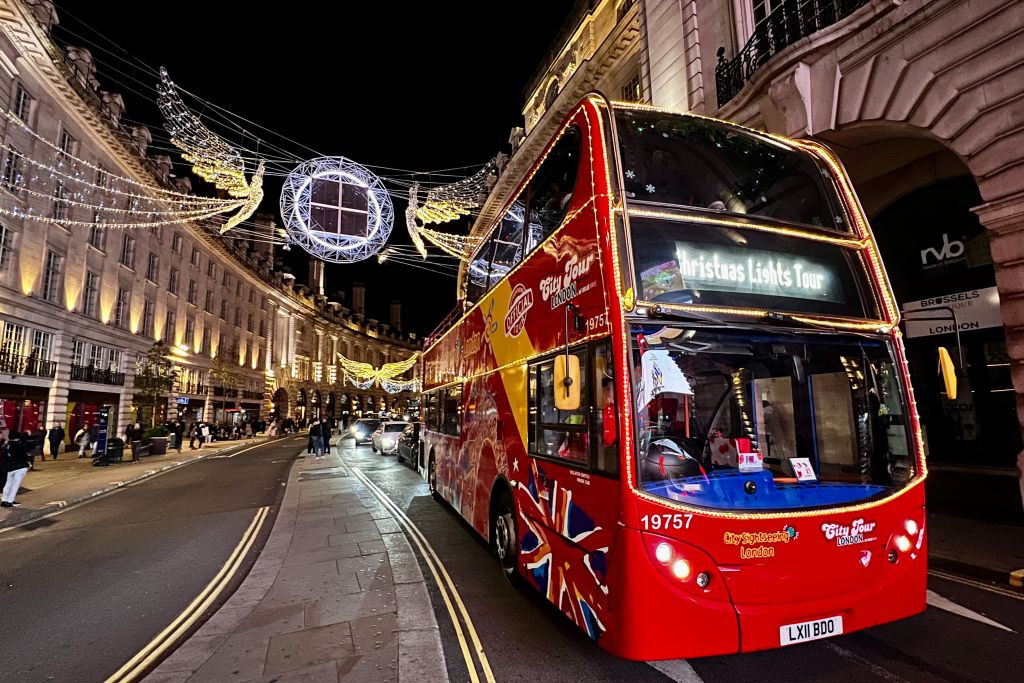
(365, 371)
(360, 384)
(336, 209)
(252, 202)
(459, 246)
(448, 202)
(411, 220)
(395, 387)
(212, 159)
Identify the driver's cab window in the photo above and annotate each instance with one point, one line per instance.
(557, 433)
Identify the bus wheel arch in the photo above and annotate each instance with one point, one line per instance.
(503, 533)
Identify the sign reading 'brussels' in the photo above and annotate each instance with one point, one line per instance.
(336, 209)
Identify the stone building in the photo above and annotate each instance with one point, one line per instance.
(81, 302)
(921, 99)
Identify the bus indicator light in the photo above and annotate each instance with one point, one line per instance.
(911, 527)
(902, 543)
(681, 569)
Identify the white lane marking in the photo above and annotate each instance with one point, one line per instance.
(998, 590)
(936, 600)
(678, 670)
(877, 670)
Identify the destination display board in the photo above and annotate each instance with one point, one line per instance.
(677, 262)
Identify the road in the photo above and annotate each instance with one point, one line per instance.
(961, 637)
(83, 591)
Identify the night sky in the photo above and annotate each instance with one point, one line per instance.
(417, 86)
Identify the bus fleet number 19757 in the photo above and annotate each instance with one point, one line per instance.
(676, 521)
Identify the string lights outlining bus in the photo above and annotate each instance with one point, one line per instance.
(677, 402)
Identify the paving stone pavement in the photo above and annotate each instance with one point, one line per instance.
(336, 595)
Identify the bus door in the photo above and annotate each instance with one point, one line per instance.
(569, 494)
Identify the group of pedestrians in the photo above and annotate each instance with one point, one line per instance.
(320, 432)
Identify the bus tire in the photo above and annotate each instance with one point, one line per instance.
(432, 477)
(505, 536)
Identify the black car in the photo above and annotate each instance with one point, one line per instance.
(409, 445)
(363, 429)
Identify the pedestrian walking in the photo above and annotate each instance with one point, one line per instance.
(132, 434)
(94, 437)
(56, 438)
(15, 462)
(179, 434)
(207, 434)
(82, 439)
(317, 439)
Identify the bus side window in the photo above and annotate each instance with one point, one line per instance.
(557, 433)
(433, 414)
(453, 410)
(508, 247)
(604, 427)
(477, 273)
(552, 187)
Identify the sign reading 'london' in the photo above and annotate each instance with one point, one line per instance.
(756, 272)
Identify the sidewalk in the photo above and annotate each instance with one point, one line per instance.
(985, 550)
(336, 595)
(70, 480)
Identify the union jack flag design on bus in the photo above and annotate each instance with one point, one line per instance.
(576, 584)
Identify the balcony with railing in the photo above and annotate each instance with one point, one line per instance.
(28, 366)
(225, 392)
(90, 373)
(251, 395)
(788, 23)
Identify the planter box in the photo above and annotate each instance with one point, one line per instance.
(158, 445)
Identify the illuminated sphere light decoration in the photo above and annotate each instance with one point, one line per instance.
(336, 210)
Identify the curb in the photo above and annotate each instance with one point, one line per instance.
(1012, 579)
(33, 515)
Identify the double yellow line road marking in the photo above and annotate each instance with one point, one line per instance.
(135, 667)
(461, 620)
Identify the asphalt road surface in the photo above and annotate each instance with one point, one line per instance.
(970, 632)
(82, 591)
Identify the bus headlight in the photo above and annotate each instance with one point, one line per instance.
(911, 527)
(663, 553)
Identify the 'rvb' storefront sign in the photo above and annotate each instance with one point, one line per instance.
(755, 272)
(975, 309)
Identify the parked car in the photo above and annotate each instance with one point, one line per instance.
(363, 429)
(385, 439)
(409, 445)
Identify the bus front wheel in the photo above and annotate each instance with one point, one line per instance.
(506, 539)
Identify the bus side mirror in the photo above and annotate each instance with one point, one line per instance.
(567, 382)
(948, 372)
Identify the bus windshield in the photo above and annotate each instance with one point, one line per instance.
(704, 164)
(745, 420)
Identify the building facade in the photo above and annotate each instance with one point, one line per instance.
(921, 99)
(82, 302)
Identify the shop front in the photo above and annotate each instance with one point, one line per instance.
(83, 410)
(938, 259)
(190, 409)
(23, 407)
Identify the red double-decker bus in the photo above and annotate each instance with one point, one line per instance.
(677, 402)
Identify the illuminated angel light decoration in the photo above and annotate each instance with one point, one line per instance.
(212, 159)
(336, 209)
(252, 202)
(448, 202)
(459, 246)
(365, 371)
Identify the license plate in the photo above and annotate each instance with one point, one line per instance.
(810, 630)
